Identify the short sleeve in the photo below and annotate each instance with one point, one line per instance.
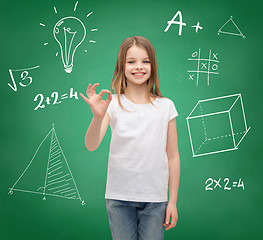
(172, 111)
(110, 107)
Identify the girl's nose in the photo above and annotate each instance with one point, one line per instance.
(138, 65)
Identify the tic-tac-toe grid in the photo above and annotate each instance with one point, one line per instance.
(203, 66)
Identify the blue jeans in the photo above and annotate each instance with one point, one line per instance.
(136, 220)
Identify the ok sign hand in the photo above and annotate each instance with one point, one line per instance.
(97, 104)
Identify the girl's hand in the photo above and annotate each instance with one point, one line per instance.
(171, 214)
(97, 104)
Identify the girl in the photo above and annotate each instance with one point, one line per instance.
(143, 157)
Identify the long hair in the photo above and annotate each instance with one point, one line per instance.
(119, 84)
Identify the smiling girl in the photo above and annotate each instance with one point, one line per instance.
(143, 161)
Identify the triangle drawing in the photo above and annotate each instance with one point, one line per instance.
(231, 28)
(48, 172)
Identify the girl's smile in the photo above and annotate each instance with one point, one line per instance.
(138, 74)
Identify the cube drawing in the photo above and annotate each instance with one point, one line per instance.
(217, 125)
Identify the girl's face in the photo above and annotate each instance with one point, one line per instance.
(137, 66)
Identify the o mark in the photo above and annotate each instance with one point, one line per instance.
(194, 54)
(214, 67)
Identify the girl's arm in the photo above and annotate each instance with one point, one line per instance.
(96, 132)
(100, 120)
(174, 174)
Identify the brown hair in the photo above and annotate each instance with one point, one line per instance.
(119, 84)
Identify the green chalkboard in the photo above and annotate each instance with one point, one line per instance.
(209, 57)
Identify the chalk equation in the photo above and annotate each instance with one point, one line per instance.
(24, 79)
(53, 99)
(181, 23)
(212, 184)
(205, 66)
(69, 32)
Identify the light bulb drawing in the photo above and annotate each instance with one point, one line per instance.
(69, 32)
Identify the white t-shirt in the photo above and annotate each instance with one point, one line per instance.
(138, 166)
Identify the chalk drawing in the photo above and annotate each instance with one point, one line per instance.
(55, 9)
(69, 32)
(75, 7)
(204, 66)
(48, 173)
(217, 125)
(231, 23)
(89, 14)
(26, 79)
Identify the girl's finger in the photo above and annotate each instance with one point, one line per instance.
(173, 222)
(92, 90)
(167, 219)
(88, 91)
(109, 98)
(102, 92)
(167, 226)
(84, 98)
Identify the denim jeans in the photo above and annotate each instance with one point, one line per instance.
(136, 220)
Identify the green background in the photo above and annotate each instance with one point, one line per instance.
(217, 214)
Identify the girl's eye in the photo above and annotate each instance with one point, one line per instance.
(133, 62)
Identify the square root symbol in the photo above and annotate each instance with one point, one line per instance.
(217, 125)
